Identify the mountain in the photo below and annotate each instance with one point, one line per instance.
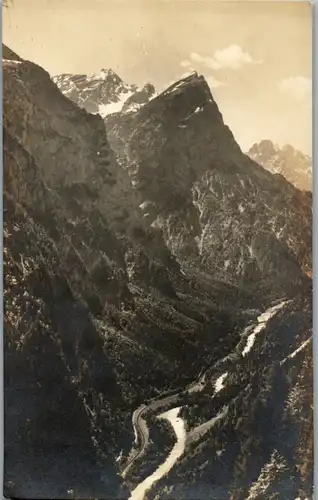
(103, 93)
(217, 208)
(93, 298)
(295, 166)
(141, 251)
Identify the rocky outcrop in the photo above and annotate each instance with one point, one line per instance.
(215, 206)
(139, 98)
(295, 166)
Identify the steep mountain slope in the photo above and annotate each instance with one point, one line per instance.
(97, 312)
(216, 207)
(249, 428)
(127, 277)
(103, 93)
(295, 166)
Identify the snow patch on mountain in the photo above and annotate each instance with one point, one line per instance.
(114, 107)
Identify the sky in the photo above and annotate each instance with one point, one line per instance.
(256, 55)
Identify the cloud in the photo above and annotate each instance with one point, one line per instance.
(185, 64)
(232, 57)
(298, 87)
(214, 82)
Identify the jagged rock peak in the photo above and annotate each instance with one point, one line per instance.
(265, 147)
(285, 160)
(149, 89)
(192, 81)
(104, 92)
(109, 74)
(183, 99)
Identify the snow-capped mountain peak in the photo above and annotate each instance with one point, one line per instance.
(294, 165)
(103, 92)
(109, 74)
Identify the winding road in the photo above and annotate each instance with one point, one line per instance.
(172, 400)
(179, 428)
(141, 436)
(141, 430)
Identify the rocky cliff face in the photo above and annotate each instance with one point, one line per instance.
(215, 206)
(133, 261)
(295, 166)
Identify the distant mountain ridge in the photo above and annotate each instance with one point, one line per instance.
(106, 93)
(103, 92)
(286, 160)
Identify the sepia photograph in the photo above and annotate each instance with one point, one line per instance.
(157, 250)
